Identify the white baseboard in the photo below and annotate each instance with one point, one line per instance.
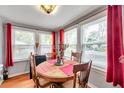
(92, 85)
(13, 75)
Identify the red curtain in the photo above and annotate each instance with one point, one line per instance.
(9, 59)
(115, 70)
(53, 45)
(61, 38)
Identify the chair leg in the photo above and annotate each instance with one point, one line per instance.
(35, 86)
(53, 85)
(83, 86)
(56, 85)
(86, 86)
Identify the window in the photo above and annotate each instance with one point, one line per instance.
(45, 43)
(70, 37)
(23, 44)
(95, 42)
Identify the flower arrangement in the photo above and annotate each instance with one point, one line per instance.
(60, 53)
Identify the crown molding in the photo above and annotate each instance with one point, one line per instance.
(93, 13)
(18, 24)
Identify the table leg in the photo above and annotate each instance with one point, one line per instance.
(56, 85)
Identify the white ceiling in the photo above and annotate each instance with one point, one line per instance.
(31, 15)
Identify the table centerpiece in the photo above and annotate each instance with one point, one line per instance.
(60, 53)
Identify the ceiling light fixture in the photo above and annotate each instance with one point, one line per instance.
(48, 8)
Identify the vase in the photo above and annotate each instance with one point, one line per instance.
(59, 62)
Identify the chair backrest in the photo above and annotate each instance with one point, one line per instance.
(39, 59)
(84, 70)
(34, 61)
(76, 56)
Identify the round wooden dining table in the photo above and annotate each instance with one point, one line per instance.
(56, 74)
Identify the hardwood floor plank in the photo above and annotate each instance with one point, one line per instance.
(23, 81)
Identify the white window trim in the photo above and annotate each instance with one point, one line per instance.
(78, 26)
(69, 29)
(99, 69)
(95, 19)
(20, 60)
(36, 36)
(25, 30)
(31, 30)
(43, 32)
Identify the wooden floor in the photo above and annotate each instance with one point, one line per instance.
(21, 81)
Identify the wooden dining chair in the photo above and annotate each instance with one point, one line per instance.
(38, 81)
(76, 56)
(39, 59)
(33, 71)
(83, 76)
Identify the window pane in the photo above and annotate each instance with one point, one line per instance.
(24, 37)
(46, 39)
(94, 42)
(45, 43)
(46, 49)
(23, 44)
(70, 37)
(22, 52)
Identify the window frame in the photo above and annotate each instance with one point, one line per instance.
(69, 29)
(43, 32)
(79, 32)
(36, 38)
(13, 41)
(89, 20)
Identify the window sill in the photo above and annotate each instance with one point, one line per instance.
(98, 69)
(66, 57)
(23, 60)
